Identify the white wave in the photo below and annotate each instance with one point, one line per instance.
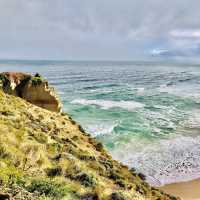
(186, 91)
(193, 121)
(167, 161)
(101, 128)
(61, 92)
(140, 91)
(106, 104)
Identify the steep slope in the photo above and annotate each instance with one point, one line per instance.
(46, 155)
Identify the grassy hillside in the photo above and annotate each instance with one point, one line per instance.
(45, 155)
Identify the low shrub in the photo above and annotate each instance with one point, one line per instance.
(48, 187)
(52, 172)
(3, 152)
(37, 80)
(99, 146)
(10, 175)
(85, 179)
(142, 176)
(116, 196)
(90, 196)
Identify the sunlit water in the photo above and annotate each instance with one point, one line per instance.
(147, 115)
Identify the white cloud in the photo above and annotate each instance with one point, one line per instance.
(186, 34)
(94, 29)
(158, 52)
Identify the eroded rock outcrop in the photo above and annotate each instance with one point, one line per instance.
(33, 89)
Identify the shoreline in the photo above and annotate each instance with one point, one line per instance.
(189, 190)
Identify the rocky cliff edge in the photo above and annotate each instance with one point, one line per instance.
(33, 89)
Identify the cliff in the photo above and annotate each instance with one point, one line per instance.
(46, 155)
(33, 89)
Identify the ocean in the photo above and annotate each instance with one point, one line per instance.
(147, 114)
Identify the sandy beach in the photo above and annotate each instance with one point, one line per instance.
(186, 190)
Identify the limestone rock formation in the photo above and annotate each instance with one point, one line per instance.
(33, 89)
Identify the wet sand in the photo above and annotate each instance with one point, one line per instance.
(186, 190)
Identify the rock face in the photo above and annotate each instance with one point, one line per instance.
(41, 95)
(31, 88)
(10, 81)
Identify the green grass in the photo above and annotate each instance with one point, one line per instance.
(37, 80)
(44, 188)
(49, 188)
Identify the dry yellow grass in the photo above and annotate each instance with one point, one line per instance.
(38, 147)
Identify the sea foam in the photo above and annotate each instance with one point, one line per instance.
(106, 104)
(102, 128)
(164, 162)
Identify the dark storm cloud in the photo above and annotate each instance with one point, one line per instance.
(87, 29)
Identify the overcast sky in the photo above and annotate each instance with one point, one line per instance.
(99, 29)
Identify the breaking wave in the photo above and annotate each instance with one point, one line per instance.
(106, 104)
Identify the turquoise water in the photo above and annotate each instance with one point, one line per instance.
(146, 114)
